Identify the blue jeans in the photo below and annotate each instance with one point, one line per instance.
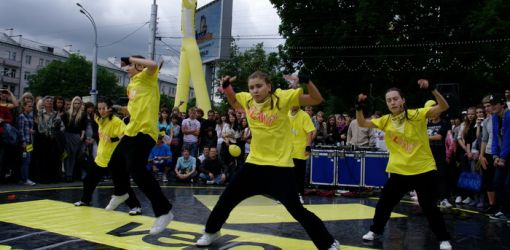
(193, 148)
(25, 164)
(205, 177)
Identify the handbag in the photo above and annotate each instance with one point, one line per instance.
(471, 181)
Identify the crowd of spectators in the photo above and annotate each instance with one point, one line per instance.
(55, 139)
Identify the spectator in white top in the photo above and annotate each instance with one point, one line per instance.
(191, 132)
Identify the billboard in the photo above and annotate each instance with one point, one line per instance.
(213, 28)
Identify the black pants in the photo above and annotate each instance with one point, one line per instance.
(130, 158)
(398, 185)
(444, 173)
(278, 182)
(92, 178)
(300, 168)
(488, 175)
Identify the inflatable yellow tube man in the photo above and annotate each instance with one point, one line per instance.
(190, 62)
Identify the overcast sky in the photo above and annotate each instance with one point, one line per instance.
(59, 23)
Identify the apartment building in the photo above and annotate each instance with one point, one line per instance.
(20, 58)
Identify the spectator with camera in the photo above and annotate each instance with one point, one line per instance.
(8, 134)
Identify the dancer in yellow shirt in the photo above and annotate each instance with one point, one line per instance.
(411, 163)
(130, 156)
(302, 129)
(111, 129)
(269, 167)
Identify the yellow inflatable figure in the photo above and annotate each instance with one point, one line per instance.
(190, 62)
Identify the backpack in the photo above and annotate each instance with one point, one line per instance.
(10, 135)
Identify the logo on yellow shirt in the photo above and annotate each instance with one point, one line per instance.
(266, 118)
(407, 145)
(132, 94)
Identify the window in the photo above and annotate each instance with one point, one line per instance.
(26, 75)
(28, 59)
(13, 56)
(41, 61)
(13, 73)
(47, 62)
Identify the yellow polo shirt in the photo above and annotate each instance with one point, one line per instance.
(143, 105)
(108, 129)
(271, 142)
(301, 124)
(408, 142)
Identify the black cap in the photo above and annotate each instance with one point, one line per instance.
(497, 98)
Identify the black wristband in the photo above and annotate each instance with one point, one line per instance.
(432, 86)
(359, 105)
(308, 149)
(225, 84)
(303, 78)
(114, 139)
(124, 61)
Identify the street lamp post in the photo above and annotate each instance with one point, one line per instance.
(93, 90)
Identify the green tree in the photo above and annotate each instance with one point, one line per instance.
(166, 101)
(72, 78)
(368, 45)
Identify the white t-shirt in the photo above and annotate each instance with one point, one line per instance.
(188, 124)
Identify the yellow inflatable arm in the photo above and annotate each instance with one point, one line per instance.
(190, 63)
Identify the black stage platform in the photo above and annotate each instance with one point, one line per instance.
(43, 217)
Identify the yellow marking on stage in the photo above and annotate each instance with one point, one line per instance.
(93, 224)
(260, 209)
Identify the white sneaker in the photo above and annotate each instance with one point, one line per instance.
(115, 201)
(458, 200)
(135, 211)
(301, 199)
(165, 179)
(29, 183)
(444, 203)
(209, 182)
(207, 239)
(466, 201)
(370, 236)
(81, 204)
(445, 245)
(161, 223)
(335, 245)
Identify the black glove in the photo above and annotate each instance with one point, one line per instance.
(360, 105)
(303, 78)
(431, 86)
(124, 61)
(226, 83)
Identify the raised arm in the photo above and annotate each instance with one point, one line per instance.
(313, 97)
(226, 88)
(152, 67)
(360, 117)
(441, 106)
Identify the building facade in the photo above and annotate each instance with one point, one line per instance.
(20, 58)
